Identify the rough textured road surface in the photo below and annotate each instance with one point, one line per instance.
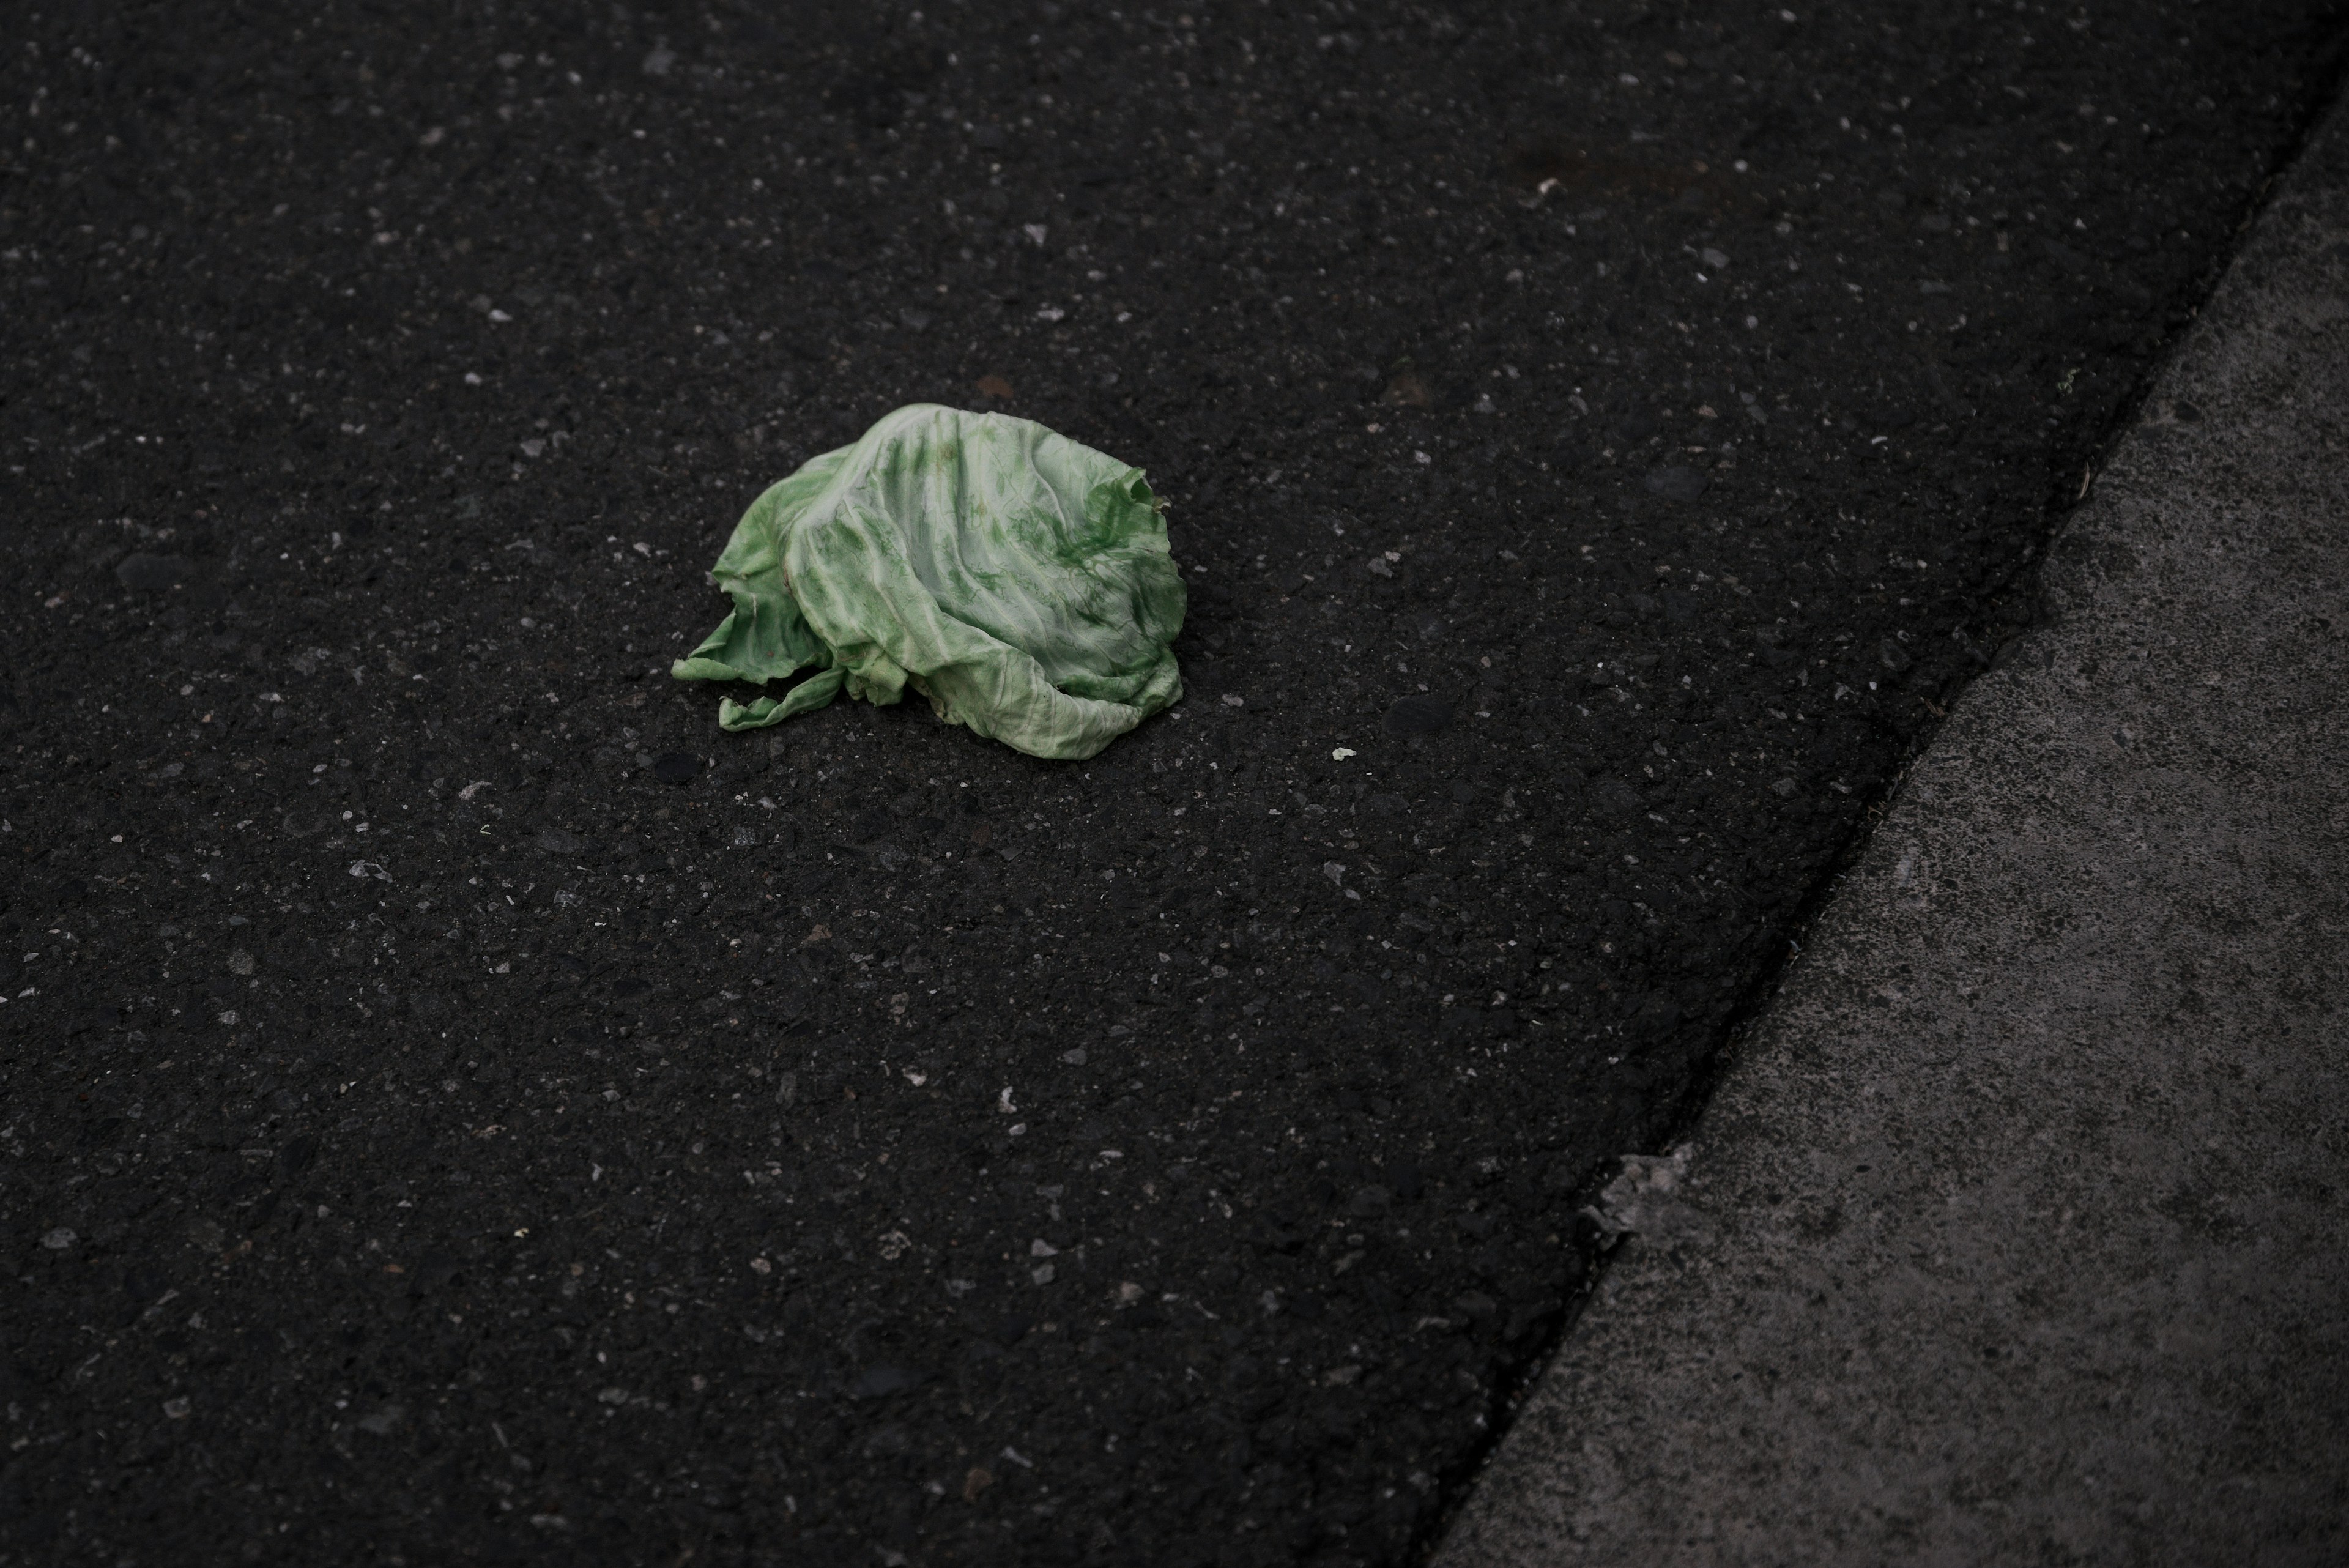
(458, 1105)
(2015, 1219)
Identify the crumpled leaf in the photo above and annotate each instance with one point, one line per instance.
(1018, 580)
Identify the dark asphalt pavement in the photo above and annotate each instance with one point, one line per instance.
(1599, 439)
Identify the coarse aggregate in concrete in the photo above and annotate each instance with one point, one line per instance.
(2014, 1233)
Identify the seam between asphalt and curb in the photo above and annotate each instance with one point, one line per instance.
(1759, 1011)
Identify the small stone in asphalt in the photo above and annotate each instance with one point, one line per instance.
(1676, 482)
(677, 767)
(58, 1240)
(1417, 716)
(143, 573)
(749, 765)
(879, 1382)
(555, 841)
(1615, 797)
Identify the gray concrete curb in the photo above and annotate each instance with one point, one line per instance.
(2014, 1232)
